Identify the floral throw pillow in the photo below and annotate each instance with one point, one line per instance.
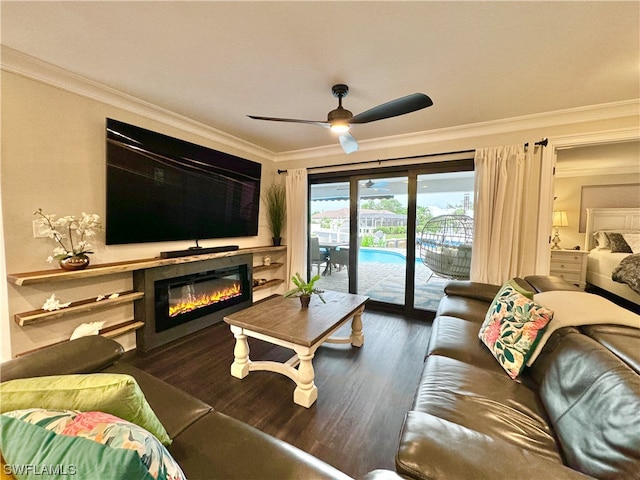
(111, 432)
(512, 327)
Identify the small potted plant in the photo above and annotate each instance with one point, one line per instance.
(276, 200)
(304, 290)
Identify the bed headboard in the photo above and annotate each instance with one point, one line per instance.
(610, 219)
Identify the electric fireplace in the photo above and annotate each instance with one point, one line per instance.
(183, 298)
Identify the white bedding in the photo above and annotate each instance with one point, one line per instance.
(600, 264)
(603, 261)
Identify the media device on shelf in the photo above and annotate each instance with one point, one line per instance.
(198, 251)
(160, 188)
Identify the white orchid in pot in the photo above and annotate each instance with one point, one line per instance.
(70, 233)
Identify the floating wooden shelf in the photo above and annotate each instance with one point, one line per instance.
(27, 318)
(111, 331)
(269, 284)
(121, 328)
(274, 265)
(30, 278)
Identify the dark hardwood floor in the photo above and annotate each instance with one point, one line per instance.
(363, 394)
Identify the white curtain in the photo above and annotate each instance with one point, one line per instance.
(511, 233)
(296, 185)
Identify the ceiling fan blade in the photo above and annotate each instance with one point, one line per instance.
(399, 106)
(291, 120)
(349, 144)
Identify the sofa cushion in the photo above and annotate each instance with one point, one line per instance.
(163, 398)
(593, 399)
(469, 309)
(487, 402)
(82, 355)
(456, 338)
(435, 448)
(478, 291)
(512, 327)
(107, 430)
(624, 342)
(117, 394)
(218, 446)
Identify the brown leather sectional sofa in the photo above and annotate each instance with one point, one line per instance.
(574, 414)
(207, 444)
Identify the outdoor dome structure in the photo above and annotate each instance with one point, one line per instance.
(445, 246)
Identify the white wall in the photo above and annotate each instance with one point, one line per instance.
(5, 339)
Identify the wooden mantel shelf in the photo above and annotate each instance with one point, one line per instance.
(30, 278)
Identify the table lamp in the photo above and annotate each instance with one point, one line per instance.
(559, 220)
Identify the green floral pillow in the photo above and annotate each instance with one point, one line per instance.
(87, 444)
(512, 327)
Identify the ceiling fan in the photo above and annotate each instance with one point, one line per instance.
(368, 185)
(375, 185)
(341, 119)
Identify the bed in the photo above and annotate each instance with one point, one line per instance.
(601, 263)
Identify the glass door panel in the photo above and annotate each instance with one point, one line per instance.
(443, 248)
(329, 235)
(382, 238)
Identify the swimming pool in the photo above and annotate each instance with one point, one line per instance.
(374, 255)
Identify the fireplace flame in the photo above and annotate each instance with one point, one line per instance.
(193, 302)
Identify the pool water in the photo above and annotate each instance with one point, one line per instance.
(372, 255)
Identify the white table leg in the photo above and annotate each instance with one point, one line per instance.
(240, 365)
(306, 392)
(357, 337)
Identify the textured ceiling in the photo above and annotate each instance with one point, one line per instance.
(216, 62)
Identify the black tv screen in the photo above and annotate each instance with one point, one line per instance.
(161, 188)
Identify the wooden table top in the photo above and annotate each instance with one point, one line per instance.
(285, 319)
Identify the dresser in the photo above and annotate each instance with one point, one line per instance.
(571, 265)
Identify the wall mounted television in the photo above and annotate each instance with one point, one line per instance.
(160, 188)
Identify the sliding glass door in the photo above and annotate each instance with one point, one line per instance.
(382, 238)
(329, 209)
(444, 233)
(367, 228)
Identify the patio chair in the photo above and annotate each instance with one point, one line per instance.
(445, 246)
(340, 257)
(318, 256)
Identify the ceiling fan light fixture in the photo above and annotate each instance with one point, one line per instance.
(340, 127)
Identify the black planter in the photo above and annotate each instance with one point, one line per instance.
(276, 241)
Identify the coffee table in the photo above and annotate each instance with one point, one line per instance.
(281, 321)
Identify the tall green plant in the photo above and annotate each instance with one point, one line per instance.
(276, 200)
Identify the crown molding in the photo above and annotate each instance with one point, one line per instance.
(19, 63)
(595, 138)
(14, 61)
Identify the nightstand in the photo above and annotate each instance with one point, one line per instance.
(571, 265)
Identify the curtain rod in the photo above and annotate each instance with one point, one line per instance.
(542, 143)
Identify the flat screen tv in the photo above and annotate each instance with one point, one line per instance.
(161, 188)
